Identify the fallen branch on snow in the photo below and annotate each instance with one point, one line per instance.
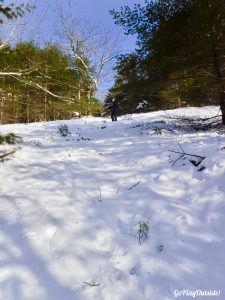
(199, 123)
(135, 185)
(91, 284)
(196, 162)
(6, 154)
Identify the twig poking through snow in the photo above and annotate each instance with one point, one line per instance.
(91, 284)
(100, 193)
(143, 230)
(7, 154)
(181, 147)
(135, 185)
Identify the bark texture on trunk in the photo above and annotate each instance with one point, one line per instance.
(222, 104)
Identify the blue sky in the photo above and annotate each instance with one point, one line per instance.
(45, 19)
(44, 22)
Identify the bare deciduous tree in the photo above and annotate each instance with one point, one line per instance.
(91, 49)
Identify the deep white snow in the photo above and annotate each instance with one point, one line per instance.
(71, 208)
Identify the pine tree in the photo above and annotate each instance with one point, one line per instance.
(12, 11)
(181, 48)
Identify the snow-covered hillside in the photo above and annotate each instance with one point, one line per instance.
(109, 213)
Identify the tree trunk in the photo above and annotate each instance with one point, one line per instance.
(217, 71)
(2, 107)
(222, 104)
(220, 86)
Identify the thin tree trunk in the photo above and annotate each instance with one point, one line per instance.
(2, 108)
(217, 72)
(222, 104)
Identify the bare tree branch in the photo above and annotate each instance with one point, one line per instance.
(89, 44)
(37, 85)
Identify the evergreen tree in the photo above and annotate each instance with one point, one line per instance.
(43, 83)
(47, 88)
(12, 11)
(181, 48)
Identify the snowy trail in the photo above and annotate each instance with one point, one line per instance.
(71, 207)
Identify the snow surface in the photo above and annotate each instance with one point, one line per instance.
(71, 208)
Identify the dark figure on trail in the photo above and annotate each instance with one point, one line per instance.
(114, 109)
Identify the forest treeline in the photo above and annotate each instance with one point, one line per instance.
(42, 83)
(179, 59)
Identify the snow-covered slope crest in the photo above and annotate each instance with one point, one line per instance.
(108, 212)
